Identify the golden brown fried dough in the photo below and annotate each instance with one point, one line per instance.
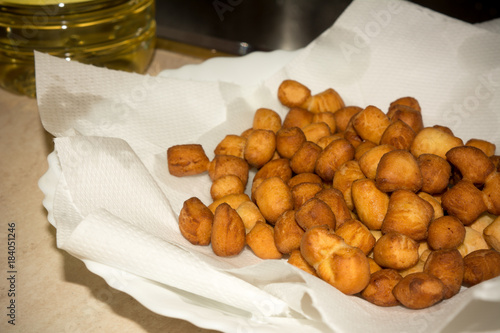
(307, 177)
(228, 232)
(435, 203)
(398, 170)
(399, 135)
(464, 201)
(327, 118)
(250, 214)
(487, 147)
(289, 140)
(287, 233)
(491, 191)
(448, 266)
(446, 232)
(292, 93)
(395, 250)
(379, 289)
(370, 203)
(187, 160)
(315, 131)
(491, 234)
(335, 200)
(436, 173)
(223, 165)
(315, 212)
(473, 241)
(332, 157)
(408, 115)
(472, 163)
(368, 162)
(343, 179)
(303, 192)
(266, 119)
(343, 266)
(261, 240)
(419, 290)
(481, 265)
(482, 222)
(431, 140)
(231, 145)
(279, 167)
(344, 115)
(225, 185)
(234, 200)
(356, 234)
(273, 197)
(296, 259)
(328, 100)
(408, 214)
(297, 117)
(351, 135)
(195, 221)
(362, 148)
(408, 101)
(371, 123)
(260, 147)
(374, 267)
(304, 160)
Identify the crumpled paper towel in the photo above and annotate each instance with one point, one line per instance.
(115, 203)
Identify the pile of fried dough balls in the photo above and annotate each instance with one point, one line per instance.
(372, 202)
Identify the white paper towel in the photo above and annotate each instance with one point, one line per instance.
(116, 204)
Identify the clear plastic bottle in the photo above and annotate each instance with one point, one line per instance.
(117, 34)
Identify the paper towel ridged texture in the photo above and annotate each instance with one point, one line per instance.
(117, 205)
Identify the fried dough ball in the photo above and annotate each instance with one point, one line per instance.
(399, 135)
(481, 265)
(344, 115)
(289, 140)
(279, 167)
(351, 135)
(287, 233)
(297, 117)
(408, 214)
(342, 266)
(491, 191)
(491, 234)
(261, 240)
(374, 267)
(431, 140)
(472, 163)
(303, 192)
(496, 161)
(234, 200)
(418, 267)
(315, 212)
(487, 147)
(446, 232)
(419, 290)
(398, 170)
(250, 214)
(328, 100)
(304, 160)
(315, 131)
(326, 140)
(371, 123)
(296, 259)
(223, 165)
(368, 162)
(332, 157)
(464, 201)
(379, 289)
(448, 266)
(482, 222)
(362, 148)
(335, 200)
(445, 129)
(306, 177)
(228, 232)
(370, 203)
(231, 145)
(195, 221)
(344, 178)
(225, 185)
(408, 115)
(436, 173)
(473, 241)
(327, 118)
(408, 101)
(436, 205)
(292, 93)
(273, 197)
(260, 147)
(266, 119)
(356, 234)
(395, 250)
(187, 160)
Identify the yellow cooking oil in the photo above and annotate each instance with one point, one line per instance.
(117, 34)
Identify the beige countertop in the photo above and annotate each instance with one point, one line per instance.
(54, 292)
